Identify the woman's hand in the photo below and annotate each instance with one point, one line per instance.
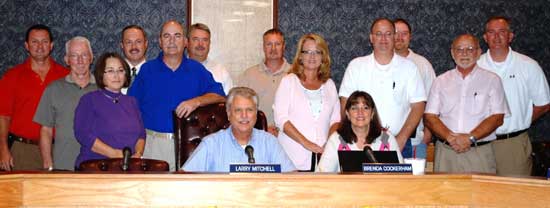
(312, 146)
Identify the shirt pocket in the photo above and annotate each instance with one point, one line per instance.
(478, 103)
(399, 93)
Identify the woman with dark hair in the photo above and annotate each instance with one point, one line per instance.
(106, 120)
(359, 127)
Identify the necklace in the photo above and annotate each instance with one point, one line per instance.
(115, 99)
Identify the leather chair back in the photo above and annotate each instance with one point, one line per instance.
(188, 132)
(115, 165)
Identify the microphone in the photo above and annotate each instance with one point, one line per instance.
(370, 155)
(126, 154)
(249, 150)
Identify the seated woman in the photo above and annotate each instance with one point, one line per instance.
(360, 127)
(106, 120)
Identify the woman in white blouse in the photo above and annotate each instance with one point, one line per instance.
(306, 105)
(359, 128)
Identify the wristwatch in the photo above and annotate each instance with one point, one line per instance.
(473, 139)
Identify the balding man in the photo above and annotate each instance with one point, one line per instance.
(465, 106)
(169, 83)
(393, 82)
(527, 93)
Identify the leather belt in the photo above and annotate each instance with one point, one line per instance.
(510, 135)
(16, 138)
(471, 145)
(159, 134)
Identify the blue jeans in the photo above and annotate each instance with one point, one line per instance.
(408, 150)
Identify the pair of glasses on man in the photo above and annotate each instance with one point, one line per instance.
(467, 50)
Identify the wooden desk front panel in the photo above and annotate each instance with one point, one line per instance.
(140, 190)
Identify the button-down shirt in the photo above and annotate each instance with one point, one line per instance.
(217, 151)
(463, 103)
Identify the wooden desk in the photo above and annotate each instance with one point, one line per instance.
(305, 190)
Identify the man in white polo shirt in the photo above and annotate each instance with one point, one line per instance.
(393, 82)
(527, 93)
(403, 33)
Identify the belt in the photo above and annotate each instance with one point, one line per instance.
(510, 135)
(159, 134)
(14, 137)
(471, 145)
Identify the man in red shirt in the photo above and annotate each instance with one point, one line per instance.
(22, 87)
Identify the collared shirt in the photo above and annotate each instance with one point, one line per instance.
(463, 103)
(265, 83)
(217, 151)
(393, 89)
(20, 92)
(220, 74)
(427, 74)
(138, 67)
(524, 84)
(159, 90)
(116, 123)
(56, 109)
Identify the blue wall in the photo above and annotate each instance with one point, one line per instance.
(344, 23)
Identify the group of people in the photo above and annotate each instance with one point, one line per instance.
(390, 100)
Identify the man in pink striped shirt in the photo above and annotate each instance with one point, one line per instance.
(465, 106)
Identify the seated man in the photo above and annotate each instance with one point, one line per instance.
(218, 150)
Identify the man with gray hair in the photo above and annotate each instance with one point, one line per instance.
(218, 150)
(465, 106)
(57, 105)
(198, 47)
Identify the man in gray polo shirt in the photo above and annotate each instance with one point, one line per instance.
(57, 105)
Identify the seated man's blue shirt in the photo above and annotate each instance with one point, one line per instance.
(217, 151)
(159, 90)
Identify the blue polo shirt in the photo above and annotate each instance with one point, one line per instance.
(159, 90)
(218, 150)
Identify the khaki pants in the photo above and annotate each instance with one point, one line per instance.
(26, 156)
(513, 156)
(160, 148)
(479, 159)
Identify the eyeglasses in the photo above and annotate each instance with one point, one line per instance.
(112, 72)
(379, 35)
(467, 50)
(312, 53)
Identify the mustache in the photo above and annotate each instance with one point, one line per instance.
(135, 50)
(200, 48)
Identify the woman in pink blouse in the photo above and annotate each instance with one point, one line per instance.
(306, 106)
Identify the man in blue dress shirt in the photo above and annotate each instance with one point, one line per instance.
(171, 83)
(218, 150)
